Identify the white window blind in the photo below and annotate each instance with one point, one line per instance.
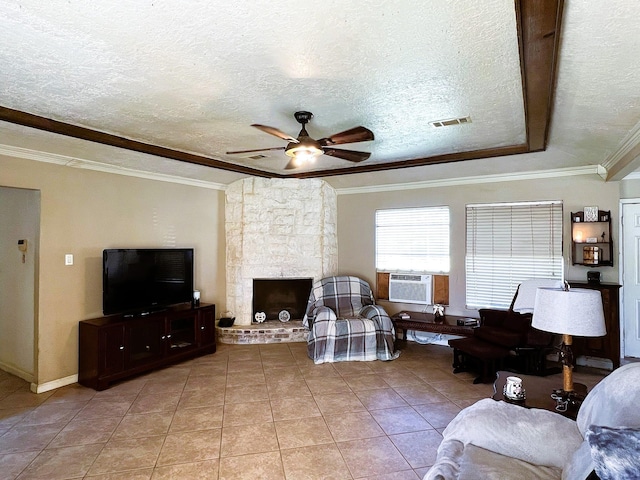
(413, 239)
(509, 243)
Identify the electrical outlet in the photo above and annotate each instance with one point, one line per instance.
(68, 259)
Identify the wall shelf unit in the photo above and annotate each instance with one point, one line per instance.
(591, 242)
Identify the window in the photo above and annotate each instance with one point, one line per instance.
(509, 243)
(413, 239)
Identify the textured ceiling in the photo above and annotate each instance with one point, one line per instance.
(192, 76)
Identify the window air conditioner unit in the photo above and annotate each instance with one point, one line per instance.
(407, 288)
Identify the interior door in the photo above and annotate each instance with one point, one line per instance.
(631, 278)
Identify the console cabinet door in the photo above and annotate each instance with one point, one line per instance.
(111, 349)
(181, 332)
(145, 341)
(207, 326)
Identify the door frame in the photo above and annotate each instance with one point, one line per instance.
(623, 201)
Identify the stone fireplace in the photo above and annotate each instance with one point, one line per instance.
(277, 228)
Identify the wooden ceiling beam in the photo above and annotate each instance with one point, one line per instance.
(539, 35)
(83, 133)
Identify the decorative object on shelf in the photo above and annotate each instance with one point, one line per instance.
(569, 312)
(260, 317)
(591, 255)
(438, 311)
(592, 239)
(284, 316)
(196, 298)
(590, 214)
(513, 389)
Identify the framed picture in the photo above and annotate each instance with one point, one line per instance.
(590, 214)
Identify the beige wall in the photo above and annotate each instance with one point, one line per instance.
(356, 220)
(630, 189)
(84, 212)
(19, 220)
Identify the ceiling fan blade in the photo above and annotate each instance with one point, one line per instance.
(353, 135)
(350, 155)
(276, 132)
(255, 150)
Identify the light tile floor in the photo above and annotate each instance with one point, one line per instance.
(245, 412)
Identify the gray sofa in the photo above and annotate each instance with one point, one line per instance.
(502, 441)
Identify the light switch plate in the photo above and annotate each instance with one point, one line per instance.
(68, 259)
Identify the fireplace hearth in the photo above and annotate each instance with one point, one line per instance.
(269, 332)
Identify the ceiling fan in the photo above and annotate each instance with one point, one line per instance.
(305, 149)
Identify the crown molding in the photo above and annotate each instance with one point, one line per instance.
(628, 143)
(505, 177)
(626, 158)
(67, 161)
(64, 160)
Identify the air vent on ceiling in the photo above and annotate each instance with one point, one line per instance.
(450, 121)
(255, 156)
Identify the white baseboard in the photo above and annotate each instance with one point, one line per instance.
(61, 382)
(13, 370)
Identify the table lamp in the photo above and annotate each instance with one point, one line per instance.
(570, 312)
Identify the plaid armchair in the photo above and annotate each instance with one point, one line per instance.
(345, 324)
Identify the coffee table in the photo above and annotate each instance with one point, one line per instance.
(427, 322)
(538, 392)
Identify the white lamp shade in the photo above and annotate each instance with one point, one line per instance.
(577, 312)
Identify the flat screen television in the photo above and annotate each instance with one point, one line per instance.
(138, 280)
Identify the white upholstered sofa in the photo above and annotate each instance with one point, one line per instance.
(498, 440)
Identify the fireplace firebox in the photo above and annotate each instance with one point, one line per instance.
(273, 296)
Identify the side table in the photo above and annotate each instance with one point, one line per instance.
(538, 392)
(427, 322)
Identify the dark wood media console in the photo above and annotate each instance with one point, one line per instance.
(115, 347)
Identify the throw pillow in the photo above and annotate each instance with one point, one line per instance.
(615, 452)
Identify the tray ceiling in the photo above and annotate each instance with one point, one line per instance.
(165, 81)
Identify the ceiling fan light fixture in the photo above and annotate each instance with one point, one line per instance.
(304, 153)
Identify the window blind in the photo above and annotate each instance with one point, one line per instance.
(413, 239)
(509, 243)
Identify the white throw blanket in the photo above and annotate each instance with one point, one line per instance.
(504, 433)
(509, 430)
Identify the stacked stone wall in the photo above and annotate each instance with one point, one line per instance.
(277, 228)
